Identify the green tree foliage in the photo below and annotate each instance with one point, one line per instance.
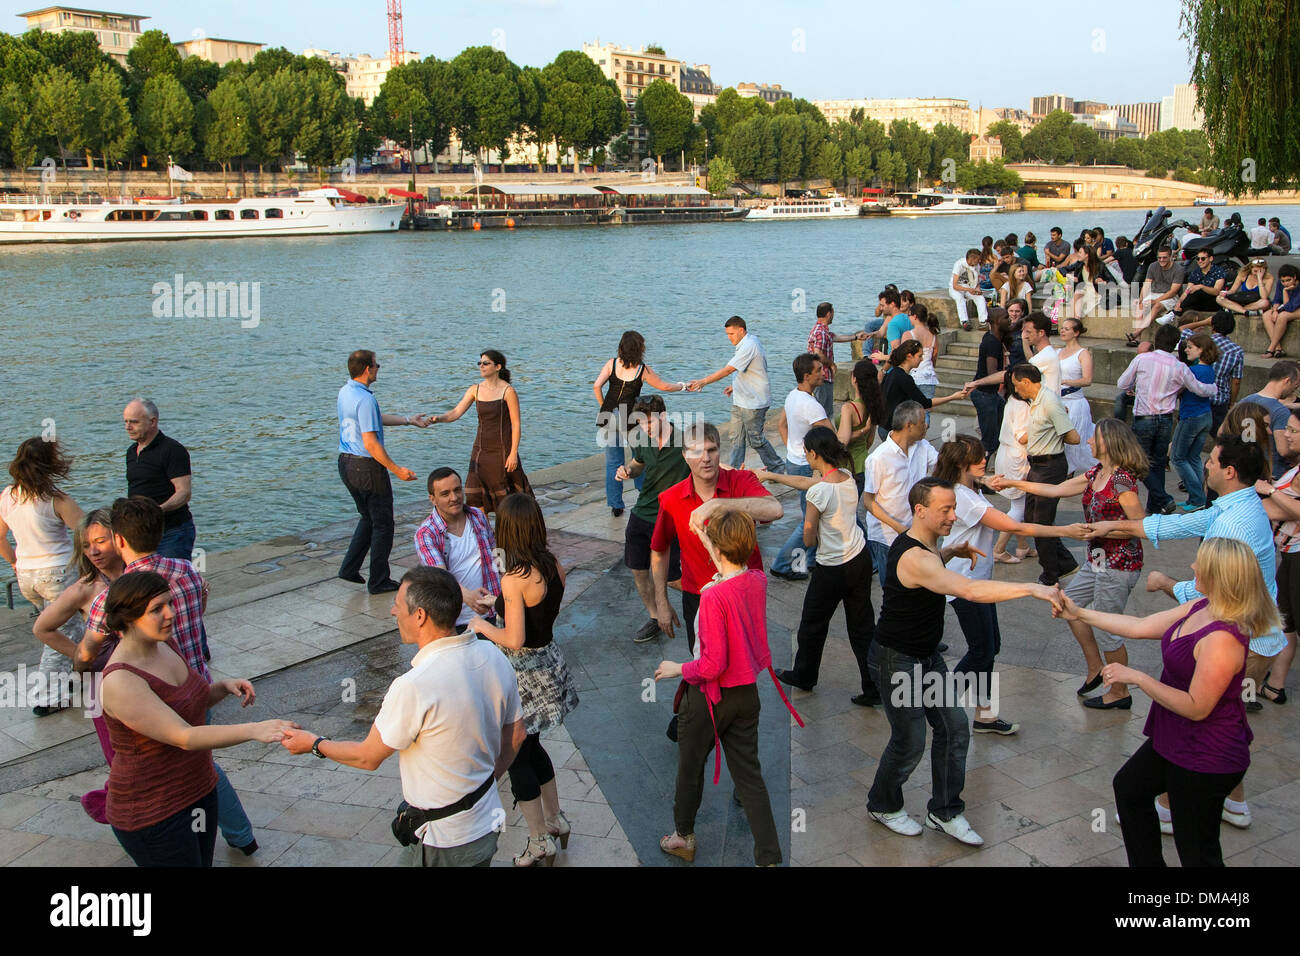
(1050, 141)
(60, 110)
(990, 176)
(19, 126)
(107, 128)
(667, 116)
(1128, 152)
(911, 144)
(581, 109)
(78, 53)
(721, 175)
(655, 48)
(731, 109)
(154, 54)
(1085, 143)
(19, 61)
(272, 60)
(229, 136)
(327, 133)
(417, 99)
(165, 117)
(1246, 67)
(1012, 140)
(947, 143)
(488, 109)
(751, 149)
(532, 96)
(200, 77)
(829, 163)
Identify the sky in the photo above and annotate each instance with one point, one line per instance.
(1115, 51)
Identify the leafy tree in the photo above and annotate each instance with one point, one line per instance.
(1050, 140)
(368, 138)
(328, 133)
(165, 117)
(751, 149)
(18, 122)
(1127, 152)
(784, 108)
(989, 176)
(667, 116)
(1246, 67)
(721, 175)
(19, 62)
(621, 149)
(1157, 172)
(1085, 142)
(59, 109)
(78, 52)
(230, 134)
(787, 136)
(107, 127)
(910, 144)
(730, 109)
(829, 163)
(857, 164)
(154, 54)
(655, 48)
(532, 94)
(272, 60)
(200, 77)
(1012, 140)
(581, 108)
(488, 109)
(417, 99)
(947, 142)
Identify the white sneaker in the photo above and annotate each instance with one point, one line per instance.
(1238, 820)
(958, 827)
(898, 821)
(1167, 827)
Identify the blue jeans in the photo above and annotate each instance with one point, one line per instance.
(907, 733)
(879, 558)
(979, 625)
(825, 395)
(178, 542)
(1189, 440)
(873, 325)
(234, 822)
(783, 562)
(614, 459)
(1153, 434)
(747, 426)
(174, 841)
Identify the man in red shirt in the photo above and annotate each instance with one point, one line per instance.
(686, 507)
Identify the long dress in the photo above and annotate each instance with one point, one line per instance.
(488, 482)
(1078, 457)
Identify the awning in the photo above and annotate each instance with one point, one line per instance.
(349, 195)
(405, 194)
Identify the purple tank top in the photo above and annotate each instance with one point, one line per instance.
(1220, 743)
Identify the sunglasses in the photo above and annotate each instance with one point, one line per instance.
(486, 362)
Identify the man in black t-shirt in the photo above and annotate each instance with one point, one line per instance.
(158, 468)
(905, 664)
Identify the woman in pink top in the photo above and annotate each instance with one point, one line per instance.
(720, 706)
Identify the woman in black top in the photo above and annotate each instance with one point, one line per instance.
(986, 394)
(532, 587)
(898, 386)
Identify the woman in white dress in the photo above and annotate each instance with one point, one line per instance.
(1013, 460)
(1076, 375)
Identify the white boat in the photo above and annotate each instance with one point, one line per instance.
(936, 202)
(829, 207)
(1209, 201)
(316, 212)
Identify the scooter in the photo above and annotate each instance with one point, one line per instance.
(1156, 232)
(1230, 245)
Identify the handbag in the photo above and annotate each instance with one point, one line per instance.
(409, 819)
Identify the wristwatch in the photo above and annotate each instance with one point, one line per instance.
(315, 747)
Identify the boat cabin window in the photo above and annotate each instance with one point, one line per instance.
(248, 214)
(181, 215)
(130, 215)
(224, 215)
(275, 214)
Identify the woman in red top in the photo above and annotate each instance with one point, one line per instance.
(720, 706)
(162, 797)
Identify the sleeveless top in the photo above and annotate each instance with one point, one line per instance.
(911, 619)
(149, 781)
(1220, 742)
(1071, 369)
(1122, 554)
(43, 540)
(539, 619)
(620, 396)
(924, 374)
(859, 447)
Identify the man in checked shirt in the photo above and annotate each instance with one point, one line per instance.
(137, 529)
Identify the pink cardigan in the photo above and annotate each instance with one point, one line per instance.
(733, 644)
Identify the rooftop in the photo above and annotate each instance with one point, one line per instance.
(99, 13)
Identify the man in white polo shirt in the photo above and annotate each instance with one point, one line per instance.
(1037, 338)
(802, 411)
(890, 471)
(455, 720)
(751, 395)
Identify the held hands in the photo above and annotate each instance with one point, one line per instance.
(668, 670)
(483, 601)
(1079, 530)
(1063, 607)
(297, 740)
(996, 482)
(1099, 529)
(695, 385)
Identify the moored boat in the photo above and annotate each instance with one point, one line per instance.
(833, 206)
(1209, 201)
(938, 202)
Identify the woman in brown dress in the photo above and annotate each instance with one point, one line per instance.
(494, 469)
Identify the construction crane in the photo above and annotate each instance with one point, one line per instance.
(396, 42)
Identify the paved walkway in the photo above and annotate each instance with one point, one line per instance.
(278, 614)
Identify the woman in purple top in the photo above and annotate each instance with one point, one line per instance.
(1198, 742)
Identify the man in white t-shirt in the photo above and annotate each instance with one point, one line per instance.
(802, 411)
(458, 538)
(964, 288)
(751, 395)
(1037, 339)
(454, 719)
(1261, 237)
(890, 471)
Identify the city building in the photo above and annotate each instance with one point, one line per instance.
(926, 112)
(985, 149)
(116, 32)
(364, 75)
(1089, 107)
(1108, 125)
(984, 118)
(1145, 116)
(771, 93)
(1042, 105)
(218, 51)
(1179, 111)
(697, 84)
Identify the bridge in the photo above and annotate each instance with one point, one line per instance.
(1063, 187)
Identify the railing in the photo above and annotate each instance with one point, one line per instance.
(62, 199)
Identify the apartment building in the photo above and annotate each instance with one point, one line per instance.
(926, 112)
(364, 74)
(219, 51)
(116, 32)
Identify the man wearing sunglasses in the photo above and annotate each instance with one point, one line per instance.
(1204, 283)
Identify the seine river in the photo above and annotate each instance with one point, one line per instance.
(84, 331)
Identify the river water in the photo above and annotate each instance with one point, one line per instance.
(84, 330)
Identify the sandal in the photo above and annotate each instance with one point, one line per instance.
(539, 852)
(1001, 557)
(679, 846)
(1131, 340)
(1023, 553)
(559, 829)
(1268, 353)
(1266, 688)
(1279, 353)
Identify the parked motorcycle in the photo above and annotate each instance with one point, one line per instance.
(1229, 245)
(1156, 231)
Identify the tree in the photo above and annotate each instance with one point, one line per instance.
(910, 144)
(417, 101)
(1246, 67)
(107, 128)
(730, 109)
(60, 110)
(581, 108)
(667, 116)
(19, 125)
(1050, 141)
(721, 175)
(532, 96)
(200, 77)
(487, 109)
(751, 149)
(947, 143)
(19, 62)
(1085, 143)
(787, 137)
(165, 117)
(857, 164)
(153, 54)
(1012, 140)
(829, 163)
(656, 49)
(327, 134)
(272, 60)
(1127, 152)
(78, 52)
(229, 136)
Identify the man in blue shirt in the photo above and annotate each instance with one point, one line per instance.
(899, 323)
(1203, 285)
(1284, 310)
(364, 466)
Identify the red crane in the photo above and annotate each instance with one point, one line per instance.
(396, 42)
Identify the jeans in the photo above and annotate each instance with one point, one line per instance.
(231, 818)
(784, 559)
(848, 583)
(178, 542)
(874, 325)
(615, 459)
(1189, 441)
(747, 427)
(907, 722)
(1053, 556)
(825, 395)
(928, 391)
(174, 842)
(1195, 804)
(372, 492)
(879, 560)
(979, 625)
(989, 407)
(1123, 405)
(40, 587)
(1153, 434)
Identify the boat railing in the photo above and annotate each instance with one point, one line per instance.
(62, 199)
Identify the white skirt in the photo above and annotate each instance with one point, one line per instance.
(1079, 457)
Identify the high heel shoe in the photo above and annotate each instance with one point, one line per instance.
(1002, 557)
(1023, 553)
(559, 829)
(685, 852)
(539, 852)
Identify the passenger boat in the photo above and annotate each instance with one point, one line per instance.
(315, 212)
(937, 202)
(1209, 201)
(829, 207)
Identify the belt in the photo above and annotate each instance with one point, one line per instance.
(344, 454)
(464, 803)
(1044, 459)
(1160, 415)
(1069, 390)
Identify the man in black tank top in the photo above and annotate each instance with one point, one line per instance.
(906, 666)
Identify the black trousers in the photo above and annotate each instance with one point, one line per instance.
(690, 607)
(829, 586)
(186, 838)
(1195, 803)
(532, 768)
(1201, 302)
(1053, 556)
(989, 408)
(372, 492)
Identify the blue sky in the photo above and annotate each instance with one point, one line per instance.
(998, 54)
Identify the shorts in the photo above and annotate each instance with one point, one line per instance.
(1107, 591)
(636, 548)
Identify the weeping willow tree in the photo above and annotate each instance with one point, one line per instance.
(1246, 67)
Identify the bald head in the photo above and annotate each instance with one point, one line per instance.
(141, 420)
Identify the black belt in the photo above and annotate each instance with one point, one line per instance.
(1161, 415)
(345, 454)
(1069, 390)
(1044, 459)
(409, 818)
